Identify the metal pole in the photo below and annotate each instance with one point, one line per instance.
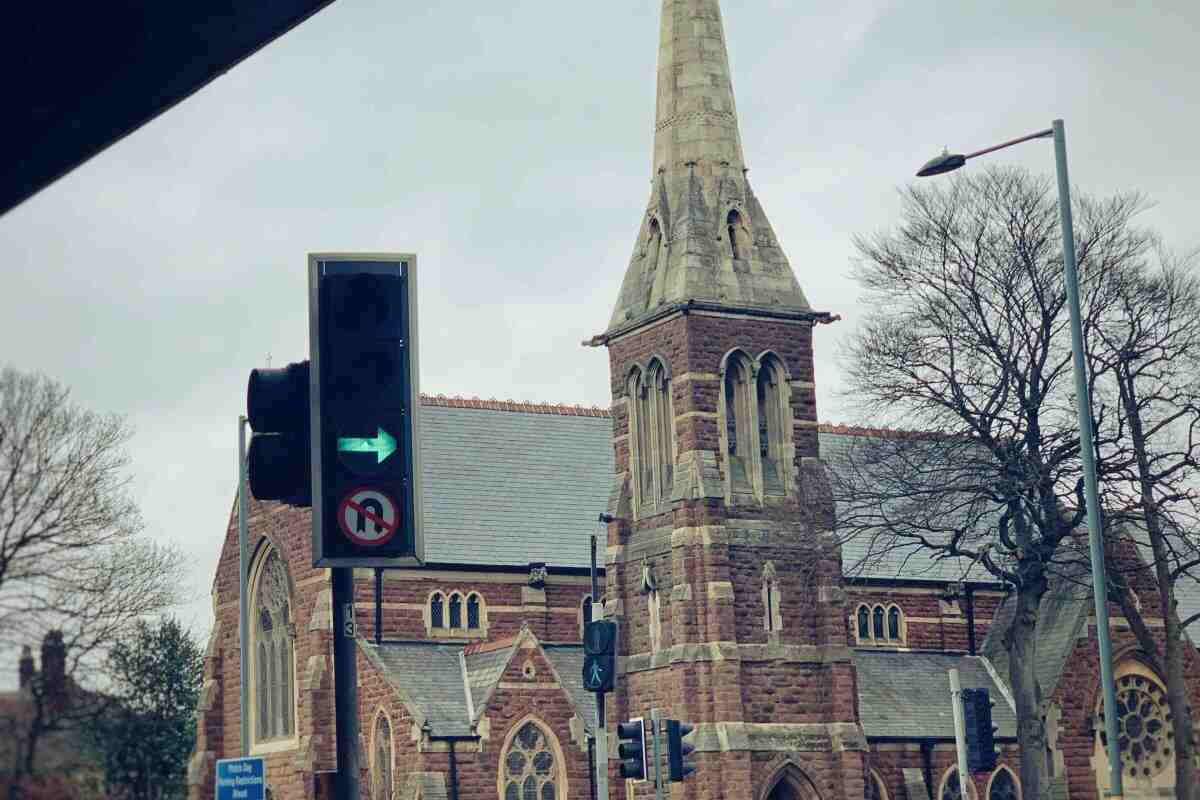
(655, 715)
(345, 684)
(601, 725)
(960, 736)
(1084, 403)
(243, 601)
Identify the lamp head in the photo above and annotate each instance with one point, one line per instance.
(946, 162)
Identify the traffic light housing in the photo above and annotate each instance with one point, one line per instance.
(599, 655)
(678, 765)
(631, 749)
(278, 461)
(365, 411)
(981, 734)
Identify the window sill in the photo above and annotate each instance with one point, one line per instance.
(457, 633)
(275, 746)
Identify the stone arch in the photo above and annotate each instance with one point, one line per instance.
(876, 785)
(1000, 791)
(271, 646)
(738, 415)
(789, 782)
(641, 464)
(653, 270)
(559, 775)
(383, 756)
(1147, 737)
(773, 401)
(661, 424)
(738, 231)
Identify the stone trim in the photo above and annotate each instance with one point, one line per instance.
(698, 652)
(778, 737)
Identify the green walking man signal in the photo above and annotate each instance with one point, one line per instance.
(599, 655)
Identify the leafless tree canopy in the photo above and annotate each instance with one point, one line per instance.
(71, 556)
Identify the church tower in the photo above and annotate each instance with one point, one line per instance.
(721, 568)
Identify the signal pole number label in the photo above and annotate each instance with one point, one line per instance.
(368, 517)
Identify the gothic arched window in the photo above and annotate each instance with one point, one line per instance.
(531, 766)
(273, 649)
(774, 420)
(739, 236)
(381, 760)
(437, 611)
(950, 790)
(654, 615)
(456, 610)
(894, 627)
(1003, 786)
(739, 442)
(473, 621)
(864, 624)
(874, 789)
(662, 430)
(641, 462)
(650, 272)
(877, 623)
(772, 616)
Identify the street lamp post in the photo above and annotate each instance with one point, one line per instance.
(952, 161)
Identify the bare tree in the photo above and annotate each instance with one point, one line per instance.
(1147, 360)
(967, 337)
(74, 571)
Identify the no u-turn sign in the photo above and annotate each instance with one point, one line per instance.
(368, 516)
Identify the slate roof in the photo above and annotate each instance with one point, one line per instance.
(532, 482)
(430, 678)
(908, 694)
(867, 557)
(1062, 620)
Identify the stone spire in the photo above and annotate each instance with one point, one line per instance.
(704, 237)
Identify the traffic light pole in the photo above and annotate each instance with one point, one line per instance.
(960, 737)
(655, 716)
(601, 728)
(345, 683)
(243, 601)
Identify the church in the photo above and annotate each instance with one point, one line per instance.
(810, 670)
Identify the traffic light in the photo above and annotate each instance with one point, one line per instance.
(981, 734)
(599, 655)
(632, 749)
(278, 463)
(364, 416)
(678, 765)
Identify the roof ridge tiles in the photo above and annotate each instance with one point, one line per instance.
(489, 647)
(516, 406)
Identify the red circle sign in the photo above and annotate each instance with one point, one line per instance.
(368, 516)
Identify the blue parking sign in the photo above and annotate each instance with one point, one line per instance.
(241, 779)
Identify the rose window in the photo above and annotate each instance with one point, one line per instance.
(529, 769)
(1144, 723)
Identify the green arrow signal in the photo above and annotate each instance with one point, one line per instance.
(383, 445)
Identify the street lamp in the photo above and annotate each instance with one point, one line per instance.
(948, 162)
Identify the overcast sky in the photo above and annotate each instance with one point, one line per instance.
(508, 144)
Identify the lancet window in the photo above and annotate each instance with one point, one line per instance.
(651, 436)
(773, 416)
(381, 760)
(739, 235)
(879, 625)
(739, 413)
(273, 650)
(451, 614)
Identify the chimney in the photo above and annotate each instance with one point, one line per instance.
(25, 667)
(54, 669)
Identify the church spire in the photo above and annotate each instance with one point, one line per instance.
(695, 120)
(704, 236)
